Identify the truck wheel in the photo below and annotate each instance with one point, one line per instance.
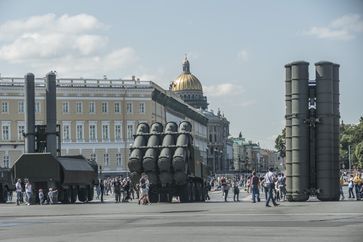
(164, 197)
(62, 196)
(184, 194)
(83, 194)
(91, 192)
(2, 194)
(74, 194)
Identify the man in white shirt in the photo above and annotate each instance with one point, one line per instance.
(270, 183)
(18, 192)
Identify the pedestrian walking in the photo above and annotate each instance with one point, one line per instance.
(357, 184)
(341, 184)
(19, 191)
(255, 181)
(226, 189)
(28, 192)
(235, 192)
(350, 187)
(270, 183)
(117, 190)
(102, 189)
(52, 196)
(144, 187)
(282, 186)
(41, 196)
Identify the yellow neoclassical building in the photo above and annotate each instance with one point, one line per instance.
(97, 117)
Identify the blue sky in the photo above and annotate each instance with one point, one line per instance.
(237, 49)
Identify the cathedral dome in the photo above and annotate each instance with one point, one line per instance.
(186, 81)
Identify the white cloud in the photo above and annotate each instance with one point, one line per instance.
(247, 103)
(225, 89)
(343, 28)
(243, 55)
(114, 61)
(68, 44)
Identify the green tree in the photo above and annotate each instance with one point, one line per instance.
(358, 153)
(352, 135)
(280, 143)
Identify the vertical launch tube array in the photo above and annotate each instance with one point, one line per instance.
(181, 154)
(164, 161)
(151, 155)
(312, 131)
(327, 172)
(288, 133)
(336, 117)
(135, 163)
(29, 131)
(299, 130)
(51, 113)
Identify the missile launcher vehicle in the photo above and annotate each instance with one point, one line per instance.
(171, 162)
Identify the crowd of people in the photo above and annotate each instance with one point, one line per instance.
(24, 194)
(271, 184)
(123, 189)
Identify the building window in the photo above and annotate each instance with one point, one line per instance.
(93, 132)
(210, 138)
(65, 107)
(6, 132)
(92, 107)
(106, 160)
(6, 161)
(105, 132)
(105, 107)
(20, 132)
(117, 132)
(79, 107)
(118, 159)
(5, 107)
(129, 107)
(142, 107)
(37, 107)
(130, 131)
(117, 107)
(21, 106)
(79, 129)
(66, 132)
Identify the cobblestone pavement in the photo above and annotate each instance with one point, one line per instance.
(214, 220)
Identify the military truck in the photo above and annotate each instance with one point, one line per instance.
(42, 162)
(70, 176)
(168, 157)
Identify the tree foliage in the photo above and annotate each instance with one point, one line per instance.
(280, 143)
(351, 135)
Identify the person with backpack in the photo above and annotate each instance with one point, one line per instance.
(255, 182)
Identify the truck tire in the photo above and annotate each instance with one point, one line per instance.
(91, 192)
(83, 194)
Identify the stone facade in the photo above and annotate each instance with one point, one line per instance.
(97, 117)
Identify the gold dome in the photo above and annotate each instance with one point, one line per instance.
(186, 80)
